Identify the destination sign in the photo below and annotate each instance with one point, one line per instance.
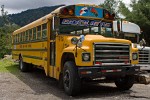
(84, 22)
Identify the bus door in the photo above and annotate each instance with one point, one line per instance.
(53, 48)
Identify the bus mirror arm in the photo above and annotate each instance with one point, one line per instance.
(76, 42)
(142, 43)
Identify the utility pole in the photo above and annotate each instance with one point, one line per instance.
(2, 10)
(4, 15)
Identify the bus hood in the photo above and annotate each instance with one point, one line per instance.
(100, 38)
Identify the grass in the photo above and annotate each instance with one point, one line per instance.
(7, 65)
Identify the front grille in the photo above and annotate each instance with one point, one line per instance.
(111, 54)
(143, 57)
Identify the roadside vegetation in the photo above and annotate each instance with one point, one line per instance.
(8, 65)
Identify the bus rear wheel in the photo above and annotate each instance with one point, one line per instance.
(125, 83)
(23, 66)
(71, 79)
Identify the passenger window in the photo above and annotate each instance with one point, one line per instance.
(44, 31)
(86, 31)
(16, 38)
(20, 37)
(27, 35)
(79, 32)
(30, 34)
(34, 33)
(94, 30)
(73, 32)
(39, 32)
(23, 36)
(13, 38)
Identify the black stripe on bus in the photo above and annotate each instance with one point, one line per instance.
(33, 57)
(29, 49)
(32, 41)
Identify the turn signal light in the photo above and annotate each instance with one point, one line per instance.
(64, 11)
(67, 11)
(71, 12)
(106, 15)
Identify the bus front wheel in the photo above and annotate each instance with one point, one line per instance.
(71, 79)
(125, 83)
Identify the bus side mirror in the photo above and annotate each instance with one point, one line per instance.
(142, 43)
(78, 42)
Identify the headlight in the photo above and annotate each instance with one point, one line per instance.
(134, 45)
(135, 56)
(85, 56)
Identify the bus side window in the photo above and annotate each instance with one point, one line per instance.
(20, 37)
(30, 34)
(16, 38)
(39, 32)
(27, 35)
(13, 38)
(34, 33)
(44, 30)
(79, 31)
(23, 36)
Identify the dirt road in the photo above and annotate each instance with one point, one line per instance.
(15, 85)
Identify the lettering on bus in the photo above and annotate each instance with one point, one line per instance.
(84, 22)
(75, 22)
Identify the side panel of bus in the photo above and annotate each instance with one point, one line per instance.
(32, 46)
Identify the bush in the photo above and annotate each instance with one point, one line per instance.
(6, 39)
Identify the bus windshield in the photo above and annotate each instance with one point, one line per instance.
(85, 26)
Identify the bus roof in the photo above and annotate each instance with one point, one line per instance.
(47, 17)
(128, 27)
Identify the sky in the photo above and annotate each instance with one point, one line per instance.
(16, 6)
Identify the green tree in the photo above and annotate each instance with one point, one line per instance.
(111, 5)
(138, 13)
(6, 33)
(6, 38)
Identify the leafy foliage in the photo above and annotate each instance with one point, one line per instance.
(138, 13)
(6, 38)
(7, 25)
(111, 5)
(7, 65)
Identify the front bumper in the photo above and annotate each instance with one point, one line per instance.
(144, 67)
(107, 71)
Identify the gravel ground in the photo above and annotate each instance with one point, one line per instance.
(36, 86)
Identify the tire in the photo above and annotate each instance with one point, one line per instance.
(23, 66)
(125, 83)
(71, 79)
(60, 82)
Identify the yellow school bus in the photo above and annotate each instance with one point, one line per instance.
(74, 44)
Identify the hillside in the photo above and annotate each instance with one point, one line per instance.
(30, 15)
